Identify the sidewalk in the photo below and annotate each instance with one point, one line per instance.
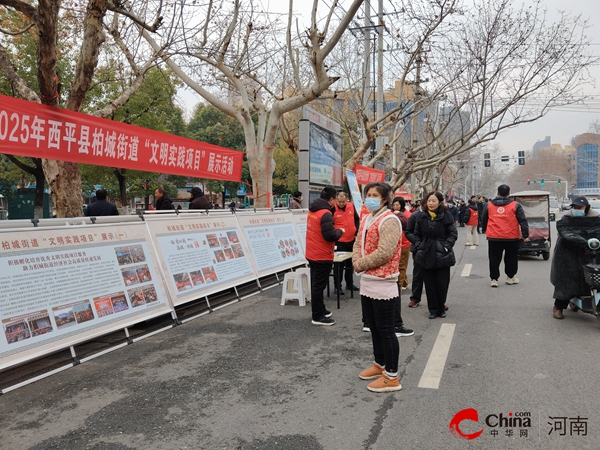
(251, 375)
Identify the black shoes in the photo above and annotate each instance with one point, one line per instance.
(403, 331)
(335, 291)
(432, 315)
(323, 321)
(328, 314)
(442, 315)
(352, 288)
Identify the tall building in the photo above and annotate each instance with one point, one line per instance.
(587, 145)
(541, 144)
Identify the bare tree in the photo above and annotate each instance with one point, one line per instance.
(232, 53)
(92, 25)
(467, 73)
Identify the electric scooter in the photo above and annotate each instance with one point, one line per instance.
(591, 272)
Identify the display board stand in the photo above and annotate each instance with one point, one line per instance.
(116, 278)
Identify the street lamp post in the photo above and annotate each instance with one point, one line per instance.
(472, 184)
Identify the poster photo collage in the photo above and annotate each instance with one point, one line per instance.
(223, 246)
(134, 273)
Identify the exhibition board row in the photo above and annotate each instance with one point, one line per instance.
(63, 284)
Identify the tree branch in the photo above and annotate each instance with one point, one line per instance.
(16, 33)
(15, 80)
(22, 7)
(88, 56)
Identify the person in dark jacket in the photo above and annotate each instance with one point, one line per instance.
(504, 223)
(453, 210)
(434, 237)
(101, 207)
(320, 242)
(480, 206)
(462, 208)
(296, 201)
(417, 276)
(574, 229)
(198, 200)
(162, 200)
(399, 209)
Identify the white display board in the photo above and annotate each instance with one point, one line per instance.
(200, 254)
(354, 191)
(273, 240)
(62, 286)
(299, 219)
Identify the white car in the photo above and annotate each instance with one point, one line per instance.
(554, 209)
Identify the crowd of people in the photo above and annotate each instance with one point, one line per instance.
(382, 236)
(386, 231)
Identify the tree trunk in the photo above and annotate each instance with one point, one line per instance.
(120, 174)
(65, 183)
(262, 166)
(40, 180)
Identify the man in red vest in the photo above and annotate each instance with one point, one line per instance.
(345, 217)
(320, 242)
(504, 224)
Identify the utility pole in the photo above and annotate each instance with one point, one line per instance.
(379, 144)
(413, 117)
(367, 66)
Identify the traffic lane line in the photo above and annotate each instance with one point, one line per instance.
(437, 359)
(466, 270)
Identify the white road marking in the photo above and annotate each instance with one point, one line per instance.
(466, 270)
(437, 359)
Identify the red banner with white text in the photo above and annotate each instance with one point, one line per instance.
(40, 131)
(366, 175)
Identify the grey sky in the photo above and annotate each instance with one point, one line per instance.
(562, 125)
(568, 122)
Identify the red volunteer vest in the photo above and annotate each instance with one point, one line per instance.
(369, 243)
(317, 248)
(474, 217)
(345, 220)
(502, 222)
(405, 241)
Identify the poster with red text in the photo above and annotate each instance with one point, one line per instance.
(273, 240)
(61, 286)
(200, 254)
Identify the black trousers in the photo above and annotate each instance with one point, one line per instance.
(417, 282)
(510, 249)
(437, 282)
(346, 266)
(380, 317)
(319, 277)
(561, 304)
(398, 311)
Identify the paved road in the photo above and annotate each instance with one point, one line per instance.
(257, 375)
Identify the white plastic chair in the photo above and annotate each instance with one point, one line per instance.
(295, 287)
(306, 271)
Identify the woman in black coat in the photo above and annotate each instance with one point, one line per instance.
(434, 237)
(198, 200)
(571, 253)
